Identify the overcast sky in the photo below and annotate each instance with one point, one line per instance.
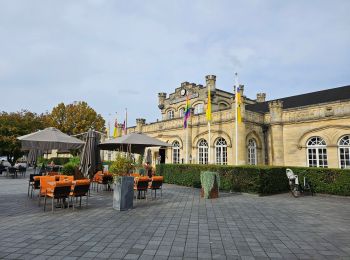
(118, 54)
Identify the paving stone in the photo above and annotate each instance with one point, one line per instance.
(178, 225)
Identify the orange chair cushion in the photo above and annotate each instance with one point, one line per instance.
(157, 178)
(82, 182)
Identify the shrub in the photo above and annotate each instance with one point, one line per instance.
(262, 180)
(208, 179)
(70, 167)
(325, 180)
(121, 166)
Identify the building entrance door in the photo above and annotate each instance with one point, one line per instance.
(162, 155)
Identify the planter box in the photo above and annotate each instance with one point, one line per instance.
(211, 180)
(123, 194)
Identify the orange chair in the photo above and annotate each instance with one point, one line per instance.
(106, 179)
(141, 186)
(81, 189)
(95, 180)
(35, 185)
(53, 173)
(156, 184)
(66, 178)
(44, 185)
(59, 191)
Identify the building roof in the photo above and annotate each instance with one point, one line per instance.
(313, 98)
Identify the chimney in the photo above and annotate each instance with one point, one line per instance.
(260, 97)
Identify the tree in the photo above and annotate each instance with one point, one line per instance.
(15, 124)
(76, 118)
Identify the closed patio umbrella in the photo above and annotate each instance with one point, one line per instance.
(48, 139)
(90, 157)
(33, 156)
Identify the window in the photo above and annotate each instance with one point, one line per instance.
(176, 152)
(170, 114)
(252, 158)
(344, 152)
(317, 152)
(221, 151)
(198, 109)
(203, 152)
(182, 112)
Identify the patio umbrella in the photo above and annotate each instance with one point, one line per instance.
(90, 157)
(33, 156)
(133, 143)
(149, 156)
(48, 139)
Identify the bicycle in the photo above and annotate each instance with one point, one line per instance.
(296, 188)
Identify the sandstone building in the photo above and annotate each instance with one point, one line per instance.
(311, 129)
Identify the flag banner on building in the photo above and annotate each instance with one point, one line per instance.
(238, 105)
(115, 131)
(187, 112)
(208, 111)
(125, 124)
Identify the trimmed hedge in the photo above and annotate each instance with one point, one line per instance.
(325, 180)
(56, 160)
(263, 180)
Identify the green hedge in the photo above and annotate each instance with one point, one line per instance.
(325, 180)
(263, 180)
(56, 160)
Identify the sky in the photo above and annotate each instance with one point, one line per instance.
(121, 54)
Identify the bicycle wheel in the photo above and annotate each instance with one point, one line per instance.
(295, 191)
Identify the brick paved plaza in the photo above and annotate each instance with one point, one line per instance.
(179, 225)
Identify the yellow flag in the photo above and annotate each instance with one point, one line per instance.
(115, 132)
(208, 111)
(238, 105)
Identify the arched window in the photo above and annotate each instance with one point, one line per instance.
(221, 151)
(170, 114)
(182, 112)
(252, 155)
(176, 152)
(198, 109)
(344, 152)
(203, 152)
(317, 152)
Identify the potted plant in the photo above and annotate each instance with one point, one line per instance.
(210, 182)
(123, 191)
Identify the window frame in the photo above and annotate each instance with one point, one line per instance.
(345, 147)
(176, 152)
(316, 149)
(249, 152)
(221, 150)
(203, 152)
(170, 114)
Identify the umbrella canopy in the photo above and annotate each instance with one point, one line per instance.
(134, 143)
(33, 156)
(90, 157)
(48, 139)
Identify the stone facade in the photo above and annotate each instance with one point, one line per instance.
(279, 134)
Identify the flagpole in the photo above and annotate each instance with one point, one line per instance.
(186, 129)
(236, 115)
(209, 139)
(126, 121)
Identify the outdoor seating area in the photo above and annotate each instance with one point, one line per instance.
(61, 188)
